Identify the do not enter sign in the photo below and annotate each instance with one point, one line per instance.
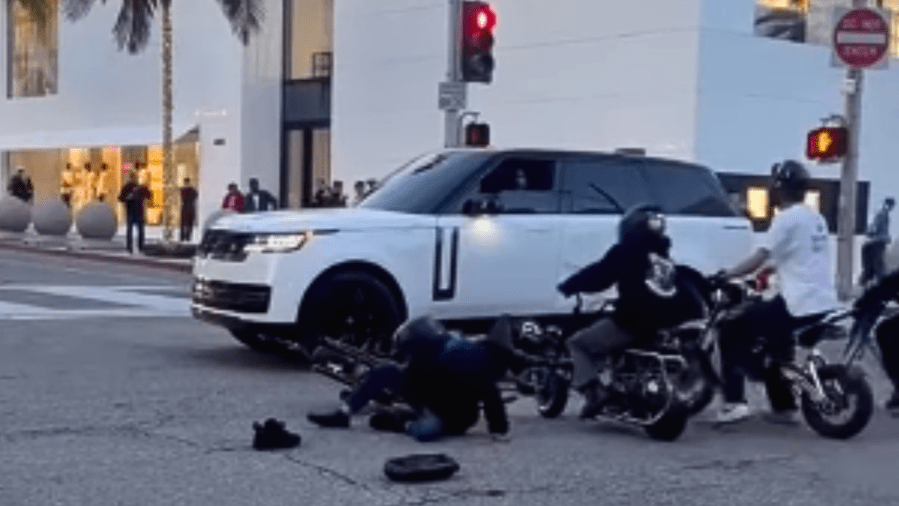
(861, 38)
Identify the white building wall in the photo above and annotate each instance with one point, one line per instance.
(571, 73)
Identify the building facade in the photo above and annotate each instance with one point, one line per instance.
(735, 84)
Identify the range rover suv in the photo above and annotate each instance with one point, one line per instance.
(464, 235)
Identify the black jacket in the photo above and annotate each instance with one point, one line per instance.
(653, 293)
(267, 202)
(452, 376)
(134, 195)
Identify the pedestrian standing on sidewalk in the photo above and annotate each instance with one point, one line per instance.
(359, 188)
(234, 199)
(188, 210)
(875, 247)
(258, 199)
(67, 184)
(134, 195)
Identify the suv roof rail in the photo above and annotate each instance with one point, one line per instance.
(631, 151)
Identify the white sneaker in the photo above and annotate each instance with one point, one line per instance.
(732, 413)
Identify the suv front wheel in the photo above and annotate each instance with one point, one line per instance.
(354, 307)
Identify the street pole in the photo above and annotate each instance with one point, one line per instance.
(452, 123)
(848, 179)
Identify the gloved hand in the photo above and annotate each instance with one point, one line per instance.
(564, 291)
(719, 277)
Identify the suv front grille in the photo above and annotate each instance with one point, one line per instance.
(224, 245)
(243, 298)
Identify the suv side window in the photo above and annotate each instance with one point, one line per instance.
(518, 186)
(604, 186)
(687, 189)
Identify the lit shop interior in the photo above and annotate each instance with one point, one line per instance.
(87, 180)
(751, 194)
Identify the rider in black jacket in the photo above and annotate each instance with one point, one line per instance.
(445, 379)
(652, 294)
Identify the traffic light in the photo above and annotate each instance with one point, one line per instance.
(827, 143)
(476, 55)
(477, 135)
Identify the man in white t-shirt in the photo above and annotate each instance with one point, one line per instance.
(797, 247)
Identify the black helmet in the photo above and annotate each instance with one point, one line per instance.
(640, 222)
(423, 327)
(791, 177)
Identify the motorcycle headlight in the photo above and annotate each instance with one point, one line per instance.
(277, 243)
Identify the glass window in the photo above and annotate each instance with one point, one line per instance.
(782, 19)
(311, 39)
(32, 52)
(518, 186)
(604, 186)
(425, 183)
(687, 189)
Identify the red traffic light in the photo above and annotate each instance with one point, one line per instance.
(477, 135)
(476, 53)
(827, 143)
(484, 17)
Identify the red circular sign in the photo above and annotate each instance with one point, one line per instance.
(861, 38)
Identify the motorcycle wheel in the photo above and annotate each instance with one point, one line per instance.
(695, 388)
(671, 425)
(552, 396)
(848, 394)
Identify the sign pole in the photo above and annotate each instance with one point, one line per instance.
(848, 179)
(452, 135)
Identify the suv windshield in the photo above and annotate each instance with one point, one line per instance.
(422, 184)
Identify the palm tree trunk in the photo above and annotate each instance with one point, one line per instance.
(168, 163)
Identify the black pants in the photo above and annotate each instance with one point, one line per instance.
(888, 341)
(378, 381)
(187, 226)
(768, 321)
(134, 220)
(873, 267)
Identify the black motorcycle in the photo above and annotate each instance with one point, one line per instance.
(836, 399)
(644, 383)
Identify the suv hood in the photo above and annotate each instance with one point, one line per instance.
(320, 219)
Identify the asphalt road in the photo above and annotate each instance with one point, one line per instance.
(110, 394)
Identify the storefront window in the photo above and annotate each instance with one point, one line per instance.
(79, 176)
(32, 51)
(310, 39)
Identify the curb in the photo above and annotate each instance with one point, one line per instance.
(143, 261)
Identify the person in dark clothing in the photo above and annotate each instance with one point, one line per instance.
(134, 195)
(258, 199)
(875, 247)
(18, 186)
(188, 209)
(652, 294)
(887, 332)
(444, 379)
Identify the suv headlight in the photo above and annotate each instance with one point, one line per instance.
(277, 243)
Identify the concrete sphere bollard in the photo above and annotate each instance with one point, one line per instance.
(15, 214)
(52, 217)
(213, 218)
(97, 220)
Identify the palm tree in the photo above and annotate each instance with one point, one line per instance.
(132, 32)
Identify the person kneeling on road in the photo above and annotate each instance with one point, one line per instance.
(444, 378)
(653, 294)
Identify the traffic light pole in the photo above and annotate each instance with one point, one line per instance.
(848, 183)
(453, 123)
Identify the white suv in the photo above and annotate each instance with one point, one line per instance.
(464, 235)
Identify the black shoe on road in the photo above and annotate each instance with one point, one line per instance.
(272, 435)
(332, 420)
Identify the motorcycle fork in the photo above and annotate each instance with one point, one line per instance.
(806, 377)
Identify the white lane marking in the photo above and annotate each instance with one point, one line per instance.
(144, 305)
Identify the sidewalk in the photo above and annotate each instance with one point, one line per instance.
(108, 251)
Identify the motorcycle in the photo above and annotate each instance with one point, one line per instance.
(835, 398)
(644, 383)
